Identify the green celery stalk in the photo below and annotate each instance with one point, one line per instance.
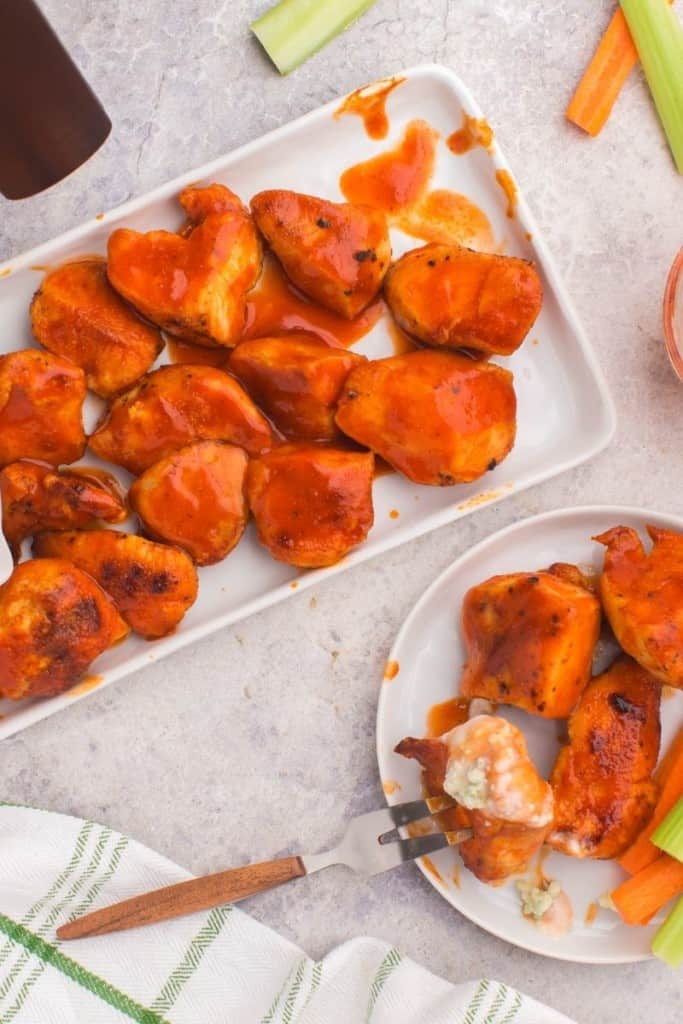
(668, 836)
(668, 942)
(294, 30)
(658, 37)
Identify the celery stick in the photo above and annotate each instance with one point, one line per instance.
(668, 942)
(294, 30)
(669, 835)
(658, 36)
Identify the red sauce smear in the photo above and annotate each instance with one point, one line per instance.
(397, 182)
(475, 131)
(369, 103)
(398, 178)
(432, 869)
(445, 216)
(391, 669)
(443, 717)
(275, 306)
(506, 182)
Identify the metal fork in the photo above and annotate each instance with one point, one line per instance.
(371, 844)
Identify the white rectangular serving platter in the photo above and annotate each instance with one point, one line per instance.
(565, 413)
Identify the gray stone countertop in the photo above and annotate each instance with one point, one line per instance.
(260, 739)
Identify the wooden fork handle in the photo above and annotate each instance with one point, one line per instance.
(185, 898)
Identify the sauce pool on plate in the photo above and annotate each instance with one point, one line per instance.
(275, 306)
(445, 716)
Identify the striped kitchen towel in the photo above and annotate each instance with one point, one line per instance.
(220, 967)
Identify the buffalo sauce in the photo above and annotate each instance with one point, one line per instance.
(431, 867)
(85, 686)
(99, 477)
(391, 669)
(400, 341)
(397, 179)
(445, 216)
(397, 182)
(474, 131)
(445, 716)
(506, 182)
(369, 103)
(196, 355)
(276, 306)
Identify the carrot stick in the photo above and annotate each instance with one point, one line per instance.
(640, 897)
(670, 777)
(612, 63)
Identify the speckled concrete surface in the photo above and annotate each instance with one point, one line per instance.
(261, 739)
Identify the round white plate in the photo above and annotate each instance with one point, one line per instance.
(430, 656)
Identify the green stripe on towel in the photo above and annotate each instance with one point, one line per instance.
(48, 954)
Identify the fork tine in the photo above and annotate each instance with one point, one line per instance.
(401, 814)
(397, 853)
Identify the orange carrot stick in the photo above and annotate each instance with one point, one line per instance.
(612, 63)
(641, 896)
(670, 777)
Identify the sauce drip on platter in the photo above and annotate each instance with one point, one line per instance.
(369, 103)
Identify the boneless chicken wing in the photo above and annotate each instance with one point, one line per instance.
(195, 498)
(336, 253)
(529, 639)
(77, 314)
(38, 497)
(453, 297)
(642, 594)
(602, 779)
(152, 585)
(311, 503)
(41, 398)
(296, 379)
(174, 406)
(192, 284)
(437, 417)
(484, 766)
(54, 621)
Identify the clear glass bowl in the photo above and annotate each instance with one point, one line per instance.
(673, 314)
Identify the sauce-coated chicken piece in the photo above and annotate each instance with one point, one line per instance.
(152, 585)
(311, 503)
(336, 253)
(77, 314)
(39, 497)
(642, 595)
(437, 417)
(54, 621)
(296, 379)
(192, 284)
(602, 780)
(195, 498)
(529, 638)
(41, 398)
(174, 406)
(484, 766)
(453, 297)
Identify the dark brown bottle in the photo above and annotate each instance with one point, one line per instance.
(50, 119)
